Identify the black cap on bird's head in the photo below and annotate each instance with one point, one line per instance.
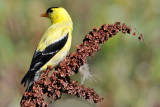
(49, 10)
(57, 14)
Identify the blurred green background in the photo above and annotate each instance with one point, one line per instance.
(127, 71)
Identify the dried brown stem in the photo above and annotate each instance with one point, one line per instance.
(59, 82)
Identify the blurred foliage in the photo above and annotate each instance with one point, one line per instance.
(126, 70)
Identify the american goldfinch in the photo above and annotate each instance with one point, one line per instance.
(53, 46)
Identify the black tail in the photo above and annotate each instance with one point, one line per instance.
(29, 88)
(28, 80)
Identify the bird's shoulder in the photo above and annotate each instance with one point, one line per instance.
(53, 34)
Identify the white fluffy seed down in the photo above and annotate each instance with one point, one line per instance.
(84, 70)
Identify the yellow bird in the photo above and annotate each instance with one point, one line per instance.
(53, 47)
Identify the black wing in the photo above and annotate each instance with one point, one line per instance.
(40, 58)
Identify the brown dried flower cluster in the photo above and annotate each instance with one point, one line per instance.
(59, 82)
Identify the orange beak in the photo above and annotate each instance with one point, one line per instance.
(44, 15)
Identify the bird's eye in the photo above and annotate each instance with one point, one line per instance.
(49, 11)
